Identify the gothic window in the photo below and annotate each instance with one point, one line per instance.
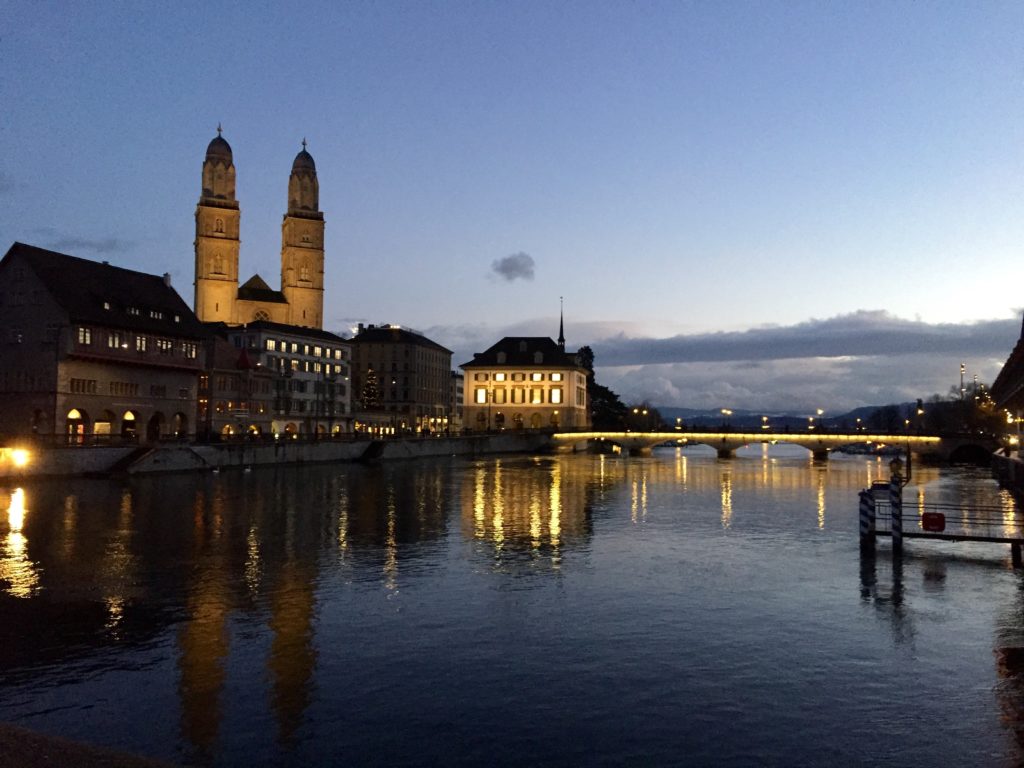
(304, 274)
(261, 314)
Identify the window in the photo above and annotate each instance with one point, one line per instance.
(518, 377)
(295, 347)
(480, 395)
(189, 349)
(536, 395)
(156, 314)
(114, 340)
(556, 395)
(133, 311)
(337, 354)
(556, 377)
(106, 305)
(479, 377)
(157, 390)
(499, 377)
(518, 395)
(166, 346)
(183, 394)
(123, 388)
(140, 343)
(271, 345)
(317, 351)
(500, 395)
(536, 377)
(83, 386)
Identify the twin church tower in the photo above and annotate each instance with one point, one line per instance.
(219, 298)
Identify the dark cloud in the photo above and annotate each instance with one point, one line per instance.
(104, 245)
(515, 267)
(863, 333)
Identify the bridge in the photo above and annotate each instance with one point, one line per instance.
(967, 447)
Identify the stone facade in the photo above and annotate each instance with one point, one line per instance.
(218, 296)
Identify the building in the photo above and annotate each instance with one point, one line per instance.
(1008, 389)
(271, 379)
(401, 377)
(456, 391)
(525, 382)
(218, 296)
(94, 352)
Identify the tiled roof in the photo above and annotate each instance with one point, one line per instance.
(389, 334)
(521, 351)
(256, 289)
(84, 289)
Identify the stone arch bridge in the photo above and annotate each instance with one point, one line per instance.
(941, 447)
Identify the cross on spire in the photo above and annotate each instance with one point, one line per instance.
(218, 128)
(303, 143)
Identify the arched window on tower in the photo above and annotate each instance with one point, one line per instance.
(218, 264)
(218, 226)
(304, 272)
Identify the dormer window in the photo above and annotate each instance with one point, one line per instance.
(106, 305)
(156, 315)
(133, 311)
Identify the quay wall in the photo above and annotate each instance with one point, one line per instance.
(1009, 471)
(109, 460)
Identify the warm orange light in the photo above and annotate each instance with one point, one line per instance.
(20, 457)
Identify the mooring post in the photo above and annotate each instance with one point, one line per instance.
(896, 513)
(1015, 554)
(867, 519)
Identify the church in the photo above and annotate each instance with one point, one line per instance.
(218, 296)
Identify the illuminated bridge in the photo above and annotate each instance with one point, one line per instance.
(818, 443)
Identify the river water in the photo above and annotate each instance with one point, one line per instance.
(566, 610)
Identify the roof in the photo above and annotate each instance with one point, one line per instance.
(256, 289)
(303, 162)
(393, 334)
(294, 330)
(101, 294)
(219, 149)
(1007, 389)
(521, 351)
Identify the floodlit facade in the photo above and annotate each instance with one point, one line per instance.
(525, 382)
(218, 297)
(94, 353)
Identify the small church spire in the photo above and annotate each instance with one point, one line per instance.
(303, 143)
(561, 323)
(219, 129)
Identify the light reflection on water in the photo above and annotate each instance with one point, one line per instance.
(557, 610)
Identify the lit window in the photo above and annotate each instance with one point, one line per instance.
(84, 335)
(106, 305)
(140, 343)
(499, 377)
(481, 395)
(271, 345)
(317, 351)
(536, 395)
(556, 395)
(536, 377)
(556, 377)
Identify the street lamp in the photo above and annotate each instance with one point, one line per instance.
(727, 413)
(764, 422)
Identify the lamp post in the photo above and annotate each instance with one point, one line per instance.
(727, 413)
(821, 421)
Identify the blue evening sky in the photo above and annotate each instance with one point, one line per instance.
(670, 168)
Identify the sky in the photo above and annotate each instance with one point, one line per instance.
(775, 206)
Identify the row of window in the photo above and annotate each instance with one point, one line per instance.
(517, 395)
(535, 376)
(121, 388)
(294, 347)
(305, 366)
(124, 340)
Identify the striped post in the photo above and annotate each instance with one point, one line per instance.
(896, 509)
(867, 519)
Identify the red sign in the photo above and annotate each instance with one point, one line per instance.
(935, 522)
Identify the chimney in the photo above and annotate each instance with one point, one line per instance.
(167, 279)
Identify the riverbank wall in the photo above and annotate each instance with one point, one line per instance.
(1009, 471)
(68, 461)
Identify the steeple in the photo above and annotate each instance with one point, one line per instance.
(302, 245)
(217, 243)
(561, 324)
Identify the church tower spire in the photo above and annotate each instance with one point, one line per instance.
(561, 324)
(217, 242)
(302, 245)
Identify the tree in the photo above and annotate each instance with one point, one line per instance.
(607, 411)
(370, 394)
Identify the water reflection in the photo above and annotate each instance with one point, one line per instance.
(244, 582)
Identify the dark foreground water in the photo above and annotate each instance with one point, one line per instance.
(574, 610)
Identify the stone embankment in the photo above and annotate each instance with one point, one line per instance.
(1009, 471)
(113, 460)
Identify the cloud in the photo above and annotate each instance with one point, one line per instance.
(840, 363)
(859, 334)
(514, 267)
(101, 246)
